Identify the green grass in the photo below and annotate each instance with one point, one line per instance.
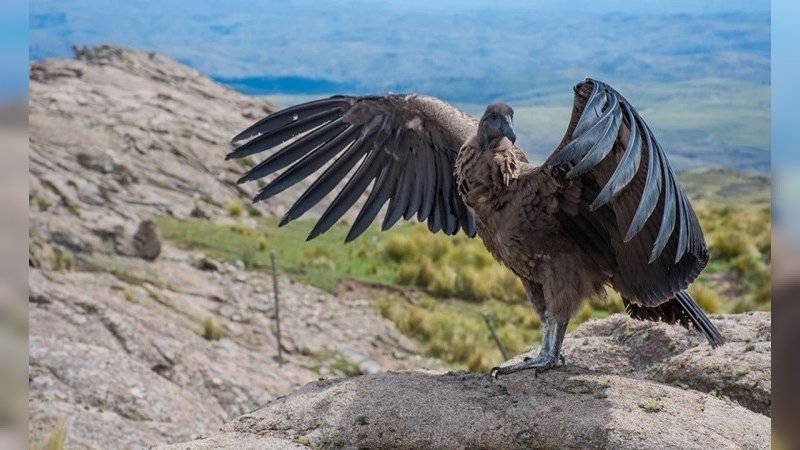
(323, 262)
(652, 406)
(336, 365)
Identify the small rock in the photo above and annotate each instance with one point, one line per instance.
(206, 263)
(147, 240)
(199, 213)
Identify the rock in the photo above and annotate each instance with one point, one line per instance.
(568, 407)
(119, 354)
(147, 240)
(739, 370)
(208, 264)
(199, 213)
(240, 441)
(626, 384)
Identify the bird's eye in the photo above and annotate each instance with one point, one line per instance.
(494, 116)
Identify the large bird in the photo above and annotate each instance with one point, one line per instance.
(604, 209)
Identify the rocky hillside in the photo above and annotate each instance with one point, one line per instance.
(135, 342)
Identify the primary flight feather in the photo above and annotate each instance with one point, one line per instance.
(605, 209)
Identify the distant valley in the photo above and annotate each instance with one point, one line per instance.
(701, 79)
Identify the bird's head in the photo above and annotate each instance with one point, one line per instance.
(496, 123)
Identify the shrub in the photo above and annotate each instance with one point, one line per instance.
(57, 437)
(506, 286)
(62, 259)
(400, 248)
(763, 296)
(407, 274)
(212, 331)
(728, 244)
(127, 294)
(234, 208)
(434, 246)
(42, 203)
(706, 298)
(317, 258)
(443, 283)
(426, 273)
(476, 360)
(471, 284)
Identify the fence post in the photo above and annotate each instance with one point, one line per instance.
(496, 339)
(277, 306)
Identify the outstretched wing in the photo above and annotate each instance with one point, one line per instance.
(631, 209)
(405, 146)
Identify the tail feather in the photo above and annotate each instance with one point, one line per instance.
(679, 309)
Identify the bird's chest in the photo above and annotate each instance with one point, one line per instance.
(519, 236)
(486, 182)
(513, 216)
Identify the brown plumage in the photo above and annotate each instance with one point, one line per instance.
(604, 209)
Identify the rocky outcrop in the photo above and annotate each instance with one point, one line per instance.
(739, 371)
(608, 406)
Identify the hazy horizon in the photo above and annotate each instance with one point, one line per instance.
(700, 72)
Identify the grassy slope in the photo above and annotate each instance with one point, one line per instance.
(459, 282)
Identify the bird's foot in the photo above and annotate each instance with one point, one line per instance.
(539, 364)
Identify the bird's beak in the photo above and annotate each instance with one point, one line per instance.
(508, 130)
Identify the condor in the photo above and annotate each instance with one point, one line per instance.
(605, 209)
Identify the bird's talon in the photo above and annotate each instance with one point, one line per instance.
(562, 359)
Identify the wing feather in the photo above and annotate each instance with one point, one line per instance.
(330, 178)
(652, 232)
(349, 194)
(628, 165)
(281, 119)
(602, 146)
(307, 165)
(407, 145)
(274, 137)
(371, 208)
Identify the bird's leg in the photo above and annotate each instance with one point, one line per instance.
(549, 355)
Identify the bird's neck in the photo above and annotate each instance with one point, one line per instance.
(486, 141)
